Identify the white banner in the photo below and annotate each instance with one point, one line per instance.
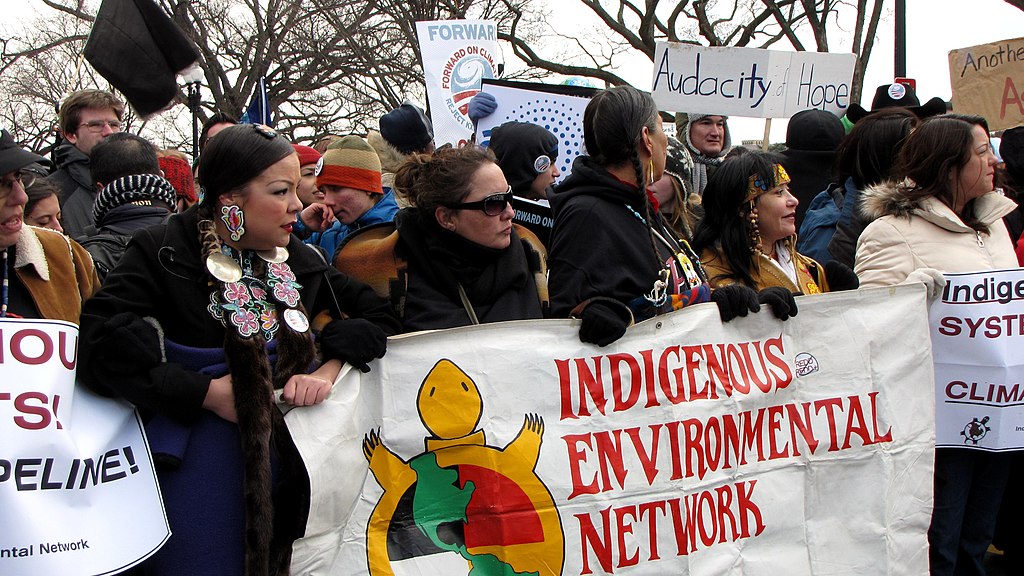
(748, 81)
(977, 331)
(757, 447)
(457, 56)
(77, 487)
(550, 107)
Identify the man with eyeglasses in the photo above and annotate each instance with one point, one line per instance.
(86, 117)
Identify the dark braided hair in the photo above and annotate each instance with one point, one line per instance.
(613, 124)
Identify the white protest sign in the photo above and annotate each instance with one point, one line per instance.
(977, 331)
(457, 56)
(756, 447)
(748, 81)
(77, 487)
(558, 109)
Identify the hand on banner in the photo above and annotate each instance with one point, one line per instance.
(734, 300)
(933, 280)
(781, 300)
(306, 390)
(481, 106)
(355, 340)
(220, 398)
(317, 217)
(602, 323)
(840, 276)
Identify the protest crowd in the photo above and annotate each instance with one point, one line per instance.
(204, 286)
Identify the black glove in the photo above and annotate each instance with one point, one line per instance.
(127, 335)
(781, 300)
(840, 276)
(356, 341)
(734, 300)
(603, 324)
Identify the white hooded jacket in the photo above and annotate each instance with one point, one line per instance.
(907, 235)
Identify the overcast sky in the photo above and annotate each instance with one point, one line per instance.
(934, 27)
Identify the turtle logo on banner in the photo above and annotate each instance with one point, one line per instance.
(462, 505)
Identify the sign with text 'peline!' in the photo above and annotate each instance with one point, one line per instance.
(748, 81)
(988, 80)
(78, 492)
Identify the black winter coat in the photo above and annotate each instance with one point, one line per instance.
(161, 275)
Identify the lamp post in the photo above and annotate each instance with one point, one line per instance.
(193, 76)
(900, 51)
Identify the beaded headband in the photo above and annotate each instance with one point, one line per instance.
(758, 186)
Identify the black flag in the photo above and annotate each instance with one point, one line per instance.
(140, 51)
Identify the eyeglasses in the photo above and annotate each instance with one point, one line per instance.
(7, 183)
(98, 125)
(492, 205)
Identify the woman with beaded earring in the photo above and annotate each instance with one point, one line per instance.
(613, 260)
(204, 319)
(748, 233)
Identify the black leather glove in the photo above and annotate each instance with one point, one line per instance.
(603, 323)
(356, 341)
(734, 300)
(781, 300)
(127, 335)
(840, 276)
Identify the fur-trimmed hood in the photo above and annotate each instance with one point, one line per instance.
(890, 199)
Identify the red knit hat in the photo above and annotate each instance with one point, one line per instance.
(306, 154)
(179, 174)
(350, 163)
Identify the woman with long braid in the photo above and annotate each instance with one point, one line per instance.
(200, 323)
(613, 261)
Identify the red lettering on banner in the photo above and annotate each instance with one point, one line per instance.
(599, 461)
(682, 374)
(698, 520)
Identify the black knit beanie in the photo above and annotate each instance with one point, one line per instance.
(523, 150)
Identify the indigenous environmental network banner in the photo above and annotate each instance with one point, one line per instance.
(977, 329)
(749, 81)
(758, 447)
(77, 487)
(457, 56)
(988, 80)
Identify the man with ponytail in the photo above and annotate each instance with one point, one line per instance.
(613, 260)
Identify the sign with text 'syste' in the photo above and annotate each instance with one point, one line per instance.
(457, 55)
(988, 80)
(754, 448)
(977, 328)
(749, 81)
(77, 486)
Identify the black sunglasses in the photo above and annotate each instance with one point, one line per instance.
(492, 205)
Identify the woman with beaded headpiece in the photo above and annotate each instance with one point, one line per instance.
(613, 260)
(748, 233)
(202, 322)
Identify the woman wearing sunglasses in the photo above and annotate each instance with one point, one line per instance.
(454, 258)
(613, 259)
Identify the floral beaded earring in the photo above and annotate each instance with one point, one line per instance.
(234, 221)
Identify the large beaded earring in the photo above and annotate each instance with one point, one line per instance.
(234, 221)
(754, 230)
